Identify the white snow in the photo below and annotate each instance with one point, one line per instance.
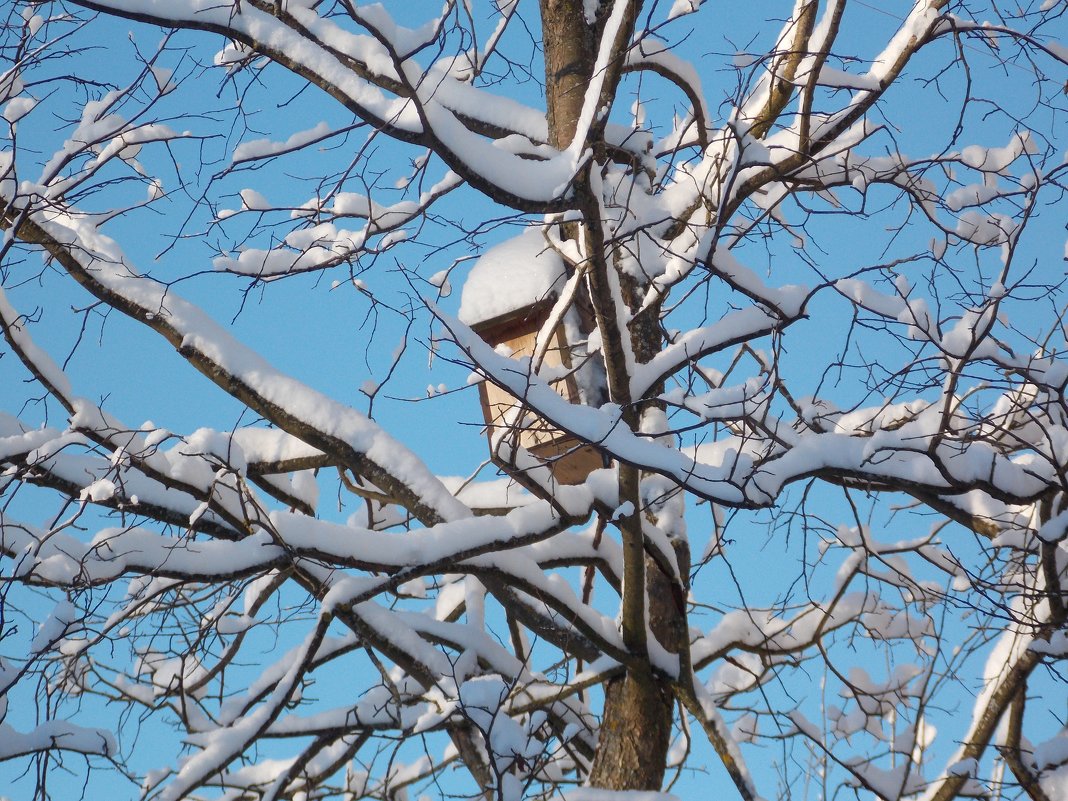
(59, 734)
(262, 148)
(254, 201)
(513, 275)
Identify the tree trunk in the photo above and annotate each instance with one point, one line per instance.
(638, 712)
(635, 734)
(639, 707)
(567, 40)
(637, 724)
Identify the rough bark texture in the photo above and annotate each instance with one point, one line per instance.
(569, 55)
(639, 707)
(635, 733)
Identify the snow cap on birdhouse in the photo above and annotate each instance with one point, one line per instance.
(511, 280)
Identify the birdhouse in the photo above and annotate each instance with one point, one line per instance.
(506, 300)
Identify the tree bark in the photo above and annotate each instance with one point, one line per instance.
(567, 41)
(635, 734)
(639, 706)
(636, 727)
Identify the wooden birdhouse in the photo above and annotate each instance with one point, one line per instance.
(506, 300)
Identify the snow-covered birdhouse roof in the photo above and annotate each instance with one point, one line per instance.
(509, 278)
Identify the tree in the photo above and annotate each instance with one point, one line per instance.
(805, 270)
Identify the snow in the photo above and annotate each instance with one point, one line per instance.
(60, 559)
(499, 493)
(254, 201)
(325, 245)
(14, 441)
(1055, 783)
(682, 7)
(985, 229)
(528, 181)
(920, 20)
(162, 77)
(481, 700)
(222, 745)
(735, 327)
(100, 490)
(401, 39)
(964, 767)
(14, 110)
(262, 148)
(511, 276)
(59, 734)
(652, 52)
(1056, 646)
(830, 76)
(998, 159)
(267, 445)
(440, 280)
(350, 204)
(1053, 752)
(752, 628)
(416, 550)
(61, 620)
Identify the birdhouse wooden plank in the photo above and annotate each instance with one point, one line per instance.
(507, 300)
